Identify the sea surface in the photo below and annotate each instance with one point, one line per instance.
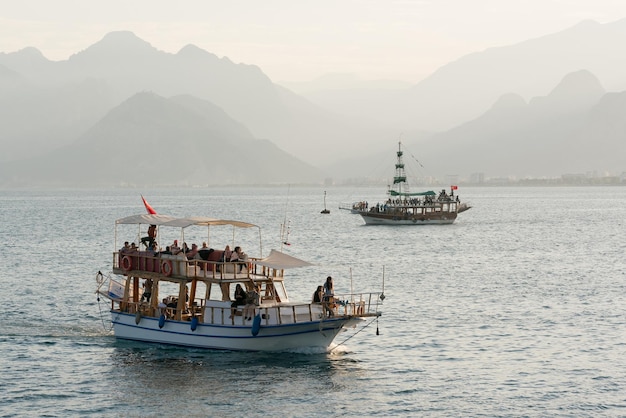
(518, 309)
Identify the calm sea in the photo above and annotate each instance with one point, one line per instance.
(517, 309)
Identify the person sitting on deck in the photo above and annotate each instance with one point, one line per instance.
(318, 294)
(171, 302)
(226, 254)
(174, 248)
(205, 251)
(252, 301)
(225, 257)
(153, 250)
(239, 257)
(166, 252)
(191, 254)
(240, 300)
(162, 306)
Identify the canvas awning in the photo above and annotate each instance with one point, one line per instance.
(145, 219)
(165, 220)
(278, 260)
(205, 221)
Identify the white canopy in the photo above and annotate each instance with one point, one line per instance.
(204, 221)
(165, 220)
(145, 218)
(278, 260)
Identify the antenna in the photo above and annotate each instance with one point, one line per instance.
(284, 234)
(284, 227)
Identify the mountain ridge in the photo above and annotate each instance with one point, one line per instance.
(68, 99)
(151, 140)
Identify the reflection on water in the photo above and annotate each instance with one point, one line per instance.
(217, 380)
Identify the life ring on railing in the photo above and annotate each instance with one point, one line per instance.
(166, 267)
(127, 263)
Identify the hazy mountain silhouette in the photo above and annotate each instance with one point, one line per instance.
(467, 87)
(486, 112)
(121, 64)
(577, 128)
(150, 140)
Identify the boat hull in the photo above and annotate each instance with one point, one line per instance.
(385, 219)
(315, 334)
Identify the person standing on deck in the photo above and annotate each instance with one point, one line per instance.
(147, 241)
(329, 295)
(147, 290)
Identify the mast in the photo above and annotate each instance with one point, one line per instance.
(400, 178)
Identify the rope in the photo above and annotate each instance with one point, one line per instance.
(353, 335)
(101, 280)
(102, 318)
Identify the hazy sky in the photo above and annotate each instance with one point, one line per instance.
(295, 40)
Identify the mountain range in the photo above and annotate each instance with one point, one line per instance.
(122, 112)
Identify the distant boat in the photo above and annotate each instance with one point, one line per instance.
(325, 210)
(405, 208)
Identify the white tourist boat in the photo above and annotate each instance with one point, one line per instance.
(403, 207)
(190, 300)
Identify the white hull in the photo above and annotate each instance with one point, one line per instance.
(317, 334)
(373, 219)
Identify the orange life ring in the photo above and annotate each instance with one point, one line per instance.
(166, 267)
(127, 263)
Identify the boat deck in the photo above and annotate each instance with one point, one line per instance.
(217, 279)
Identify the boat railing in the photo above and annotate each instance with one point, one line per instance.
(349, 305)
(357, 304)
(178, 266)
(221, 312)
(148, 309)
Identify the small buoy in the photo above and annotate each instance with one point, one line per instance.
(99, 277)
(138, 317)
(194, 323)
(256, 325)
(161, 321)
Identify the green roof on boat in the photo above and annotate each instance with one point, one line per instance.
(428, 193)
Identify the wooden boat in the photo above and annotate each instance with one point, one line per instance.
(190, 298)
(405, 208)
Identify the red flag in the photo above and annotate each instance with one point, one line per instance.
(453, 187)
(149, 208)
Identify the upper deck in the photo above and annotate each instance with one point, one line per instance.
(177, 267)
